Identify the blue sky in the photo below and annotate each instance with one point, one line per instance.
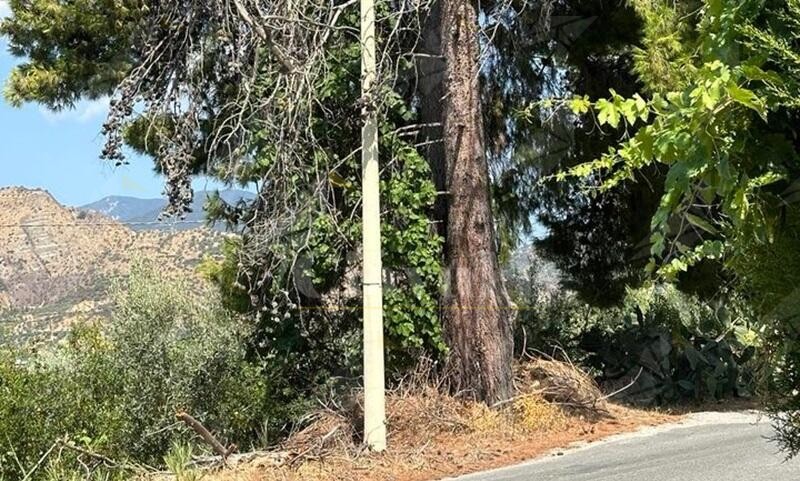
(60, 151)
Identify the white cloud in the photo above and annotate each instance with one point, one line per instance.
(94, 109)
(84, 111)
(5, 10)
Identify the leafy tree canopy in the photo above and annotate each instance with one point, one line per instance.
(231, 90)
(719, 116)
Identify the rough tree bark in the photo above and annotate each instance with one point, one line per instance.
(477, 313)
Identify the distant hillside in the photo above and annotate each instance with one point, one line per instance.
(57, 260)
(142, 214)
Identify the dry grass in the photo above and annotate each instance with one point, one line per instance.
(434, 435)
(561, 383)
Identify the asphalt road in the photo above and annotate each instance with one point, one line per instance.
(705, 447)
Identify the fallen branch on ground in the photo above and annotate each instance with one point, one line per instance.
(106, 461)
(320, 445)
(206, 435)
(628, 386)
(263, 458)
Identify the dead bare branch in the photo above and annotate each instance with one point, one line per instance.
(204, 433)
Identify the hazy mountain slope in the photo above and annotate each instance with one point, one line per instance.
(142, 214)
(123, 208)
(54, 258)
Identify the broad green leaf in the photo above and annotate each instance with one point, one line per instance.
(764, 180)
(701, 223)
(641, 107)
(752, 72)
(748, 98)
(579, 105)
(607, 113)
(630, 111)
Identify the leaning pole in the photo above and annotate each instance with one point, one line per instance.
(374, 395)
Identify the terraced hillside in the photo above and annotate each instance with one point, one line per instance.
(56, 262)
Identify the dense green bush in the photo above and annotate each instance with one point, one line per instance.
(769, 272)
(679, 347)
(675, 346)
(115, 387)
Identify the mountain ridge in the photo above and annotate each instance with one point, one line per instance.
(143, 213)
(54, 258)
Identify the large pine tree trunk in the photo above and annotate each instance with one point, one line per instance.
(477, 308)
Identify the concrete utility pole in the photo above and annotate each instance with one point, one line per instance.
(374, 400)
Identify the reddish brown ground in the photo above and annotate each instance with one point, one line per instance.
(433, 435)
(416, 457)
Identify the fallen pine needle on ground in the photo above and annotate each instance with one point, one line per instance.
(433, 435)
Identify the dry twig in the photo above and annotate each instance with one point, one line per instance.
(204, 433)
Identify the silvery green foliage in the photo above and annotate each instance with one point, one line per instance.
(114, 387)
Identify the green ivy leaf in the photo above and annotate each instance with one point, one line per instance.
(580, 105)
(607, 113)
